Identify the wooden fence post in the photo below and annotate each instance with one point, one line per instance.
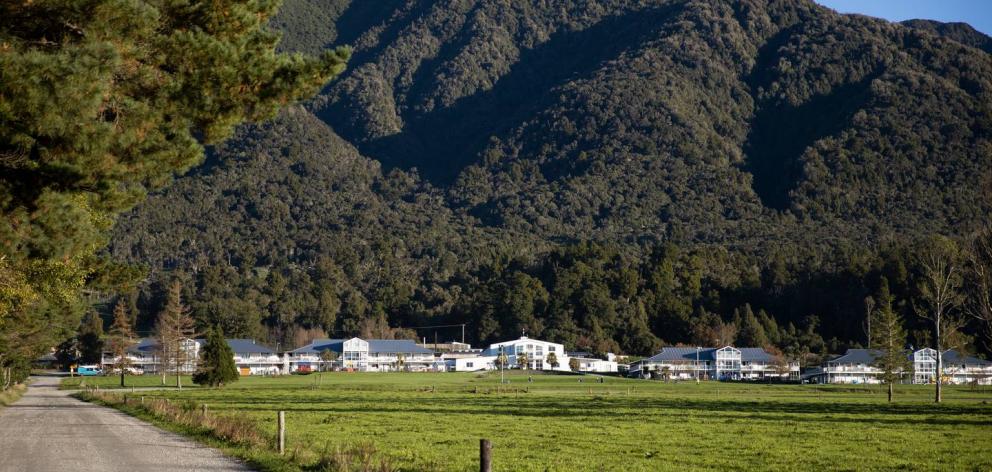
(142, 400)
(203, 409)
(485, 455)
(282, 432)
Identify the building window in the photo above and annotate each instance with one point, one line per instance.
(551, 349)
(469, 364)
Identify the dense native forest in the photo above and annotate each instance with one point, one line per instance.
(617, 175)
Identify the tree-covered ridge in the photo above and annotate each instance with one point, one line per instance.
(787, 150)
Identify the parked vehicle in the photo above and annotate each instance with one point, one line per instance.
(89, 370)
(128, 371)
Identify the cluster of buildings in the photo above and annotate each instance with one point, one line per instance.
(860, 366)
(672, 363)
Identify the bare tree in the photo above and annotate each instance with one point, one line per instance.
(979, 277)
(869, 313)
(940, 290)
(121, 339)
(174, 328)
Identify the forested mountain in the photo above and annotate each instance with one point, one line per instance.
(614, 174)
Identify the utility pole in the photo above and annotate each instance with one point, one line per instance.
(463, 333)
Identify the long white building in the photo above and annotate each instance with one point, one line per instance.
(250, 357)
(860, 366)
(373, 355)
(725, 363)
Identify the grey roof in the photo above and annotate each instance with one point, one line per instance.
(868, 356)
(148, 345)
(748, 354)
(244, 345)
(858, 356)
(954, 357)
(385, 346)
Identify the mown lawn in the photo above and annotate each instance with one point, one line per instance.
(434, 421)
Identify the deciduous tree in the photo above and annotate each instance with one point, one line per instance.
(121, 339)
(940, 293)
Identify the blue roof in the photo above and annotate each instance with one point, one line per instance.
(748, 354)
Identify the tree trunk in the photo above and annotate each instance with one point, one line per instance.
(890, 392)
(940, 362)
(122, 377)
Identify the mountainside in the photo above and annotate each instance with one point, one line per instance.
(469, 132)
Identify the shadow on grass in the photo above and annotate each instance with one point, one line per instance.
(591, 407)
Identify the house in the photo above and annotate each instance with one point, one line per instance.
(373, 355)
(725, 363)
(537, 354)
(250, 357)
(859, 366)
(856, 366)
(471, 364)
(594, 365)
(958, 369)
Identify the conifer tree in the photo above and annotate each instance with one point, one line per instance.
(91, 339)
(890, 340)
(104, 100)
(121, 338)
(217, 366)
(752, 334)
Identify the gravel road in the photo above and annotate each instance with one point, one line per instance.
(47, 430)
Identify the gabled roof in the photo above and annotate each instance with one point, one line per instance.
(686, 354)
(148, 346)
(244, 345)
(683, 354)
(869, 356)
(385, 346)
(858, 356)
(954, 357)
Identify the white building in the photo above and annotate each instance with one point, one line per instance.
(958, 369)
(471, 364)
(374, 355)
(726, 363)
(859, 366)
(250, 358)
(594, 365)
(856, 366)
(537, 354)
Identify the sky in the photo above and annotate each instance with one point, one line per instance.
(977, 13)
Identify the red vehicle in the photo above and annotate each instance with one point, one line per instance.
(304, 369)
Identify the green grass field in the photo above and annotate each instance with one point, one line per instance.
(435, 421)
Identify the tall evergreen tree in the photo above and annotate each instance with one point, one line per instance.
(890, 340)
(91, 339)
(103, 100)
(751, 334)
(217, 366)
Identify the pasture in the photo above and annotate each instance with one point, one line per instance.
(424, 421)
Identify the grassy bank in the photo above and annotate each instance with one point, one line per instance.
(113, 382)
(434, 422)
(12, 394)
